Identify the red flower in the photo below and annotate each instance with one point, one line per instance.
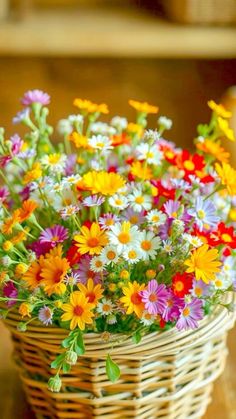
(162, 191)
(73, 256)
(224, 235)
(169, 153)
(192, 164)
(182, 284)
(205, 236)
(162, 323)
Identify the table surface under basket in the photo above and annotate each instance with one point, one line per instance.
(12, 402)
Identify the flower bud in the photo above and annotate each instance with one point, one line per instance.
(22, 327)
(71, 358)
(164, 122)
(54, 384)
(6, 261)
(7, 246)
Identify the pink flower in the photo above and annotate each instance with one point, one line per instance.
(154, 297)
(84, 271)
(40, 248)
(16, 144)
(10, 291)
(35, 96)
(3, 194)
(54, 235)
(190, 315)
(173, 307)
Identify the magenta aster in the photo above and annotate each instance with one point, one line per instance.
(35, 96)
(54, 235)
(173, 307)
(10, 291)
(190, 315)
(3, 194)
(16, 144)
(84, 271)
(154, 297)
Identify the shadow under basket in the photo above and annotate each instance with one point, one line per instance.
(168, 375)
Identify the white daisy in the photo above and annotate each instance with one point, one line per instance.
(149, 153)
(109, 255)
(132, 254)
(105, 307)
(123, 235)
(147, 319)
(118, 201)
(71, 180)
(69, 211)
(100, 142)
(194, 241)
(139, 201)
(108, 220)
(167, 246)
(55, 162)
(148, 245)
(156, 217)
(96, 264)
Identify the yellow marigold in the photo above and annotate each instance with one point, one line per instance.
(143, 107)
(33, 174)
(33, 275)
(25, 310)
(203, 263)
(133, 128)
(141, 171)
(132, 300)
(78, 311)
(3, 276)
(225, 129)
(20, 269)
(9, 223)
(90, 107)
(20, 237)
(91, 291)
(7, 246)
(215, 149)
(53, 272)
(219, 109)
(91, 240)
(103, 182)
(79, 140)
(228, 177)
(232, 214)
(27, 209)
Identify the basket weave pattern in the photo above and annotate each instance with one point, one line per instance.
(167, 375)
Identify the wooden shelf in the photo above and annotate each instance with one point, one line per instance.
(121, 32)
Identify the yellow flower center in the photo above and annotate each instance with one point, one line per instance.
(109, 222)
(55, 238)
(179, 286)
(174, 214)
(118, 202)
(92, 242)
(111, 255)
(155, 218)
(106, 307)
(198, 291)
(132, 254)
(139, 199)
(226, 237)
(124, 238)
(146, 245)
(78, 311)
(98, 263)
(133, 219)
(189, 165)
(201, 214)
(186, 311)
(149, 155)
(54, 158)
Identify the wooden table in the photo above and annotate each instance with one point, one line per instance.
(13, 404)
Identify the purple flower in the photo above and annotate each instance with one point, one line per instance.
(35, 96)
(173, 307)
(93, 201)
(84, 271)
(200, 289)
(45, 315)
(25, 192)
(204, 213)
(10, 291)
(108, 220)
(133, 217)
(54, 235)
(16, 144)
(190, 315)
(40, 248)
(164, 229)
(3, 194)
(4, 160)
(21, 116)
(171, 207)
(155, 297)
(70, 164)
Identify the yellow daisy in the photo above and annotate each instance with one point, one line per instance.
(132, 300)
(228, 177)
(91, 240)
(143, 107)
(203, 263)
(91, 291)
(141, 171)
(78, 311)
(219, 109)
(225, 129)
(103, 182)
(215, 149)
(53, 272)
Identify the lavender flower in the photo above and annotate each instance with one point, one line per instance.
(190, 315)
(93, 201)
(155, 297)
(35, 96)
(21, 116)
(173, 307)
(171, 207)
(16, 144)
(204, 214)
(45, 315)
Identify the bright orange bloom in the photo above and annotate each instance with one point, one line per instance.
(79, 140)
(91, 291)
(33, 275)
(90, 107)
(10, 223)
(143, 107)
(141, 171)
(25, 310)
(20, 237)
(28, 207)
(215, 149)
(53, 273)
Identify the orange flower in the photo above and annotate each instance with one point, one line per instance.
(80, 141)
(141, 171)
(10, 223)
(20, 237)
(33, 274)
(91, 291)
(25, 310)
(143, 107)
(28, 207)
(132, 299)
(78, 311)
(53, 273)
(214, 149)
(90, 107)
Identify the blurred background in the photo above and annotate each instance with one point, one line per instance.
(176, 54)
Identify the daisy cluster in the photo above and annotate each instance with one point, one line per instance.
(114, 230)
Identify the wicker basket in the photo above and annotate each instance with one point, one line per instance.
(167, 375)
(201, 11)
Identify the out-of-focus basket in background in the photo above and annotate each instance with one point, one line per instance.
(201, 11)
(167, 375)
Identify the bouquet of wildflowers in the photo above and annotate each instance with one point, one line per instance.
(114, 230)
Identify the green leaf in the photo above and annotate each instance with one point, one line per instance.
(57, 362)
(79, 344)
(112, 370)
(136, 338)
(66, 367)
(66, 343)
(203, 129)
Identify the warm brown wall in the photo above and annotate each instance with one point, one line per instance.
(180, 87)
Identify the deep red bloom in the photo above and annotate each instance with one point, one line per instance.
(169, 153)
(163, 191)
(73, 256)
(182, 284)
(162, 323)
(192, 164)
(224, 235)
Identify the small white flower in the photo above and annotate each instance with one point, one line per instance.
(109, 255)
(96, 264)
(123, 235)
(164, 122)
(132, 254)
(55, 163)
(102, 128)
(148, 245)
(105, 307)
(151, 135)
(119, 123)
(167, 247)
(149, 153)
(156, 217)
(147, 319)
(64, 127)
(70, 180)
(100, 142)
(139, 201)
(69, 211)
(118, 201)
(194, 241)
